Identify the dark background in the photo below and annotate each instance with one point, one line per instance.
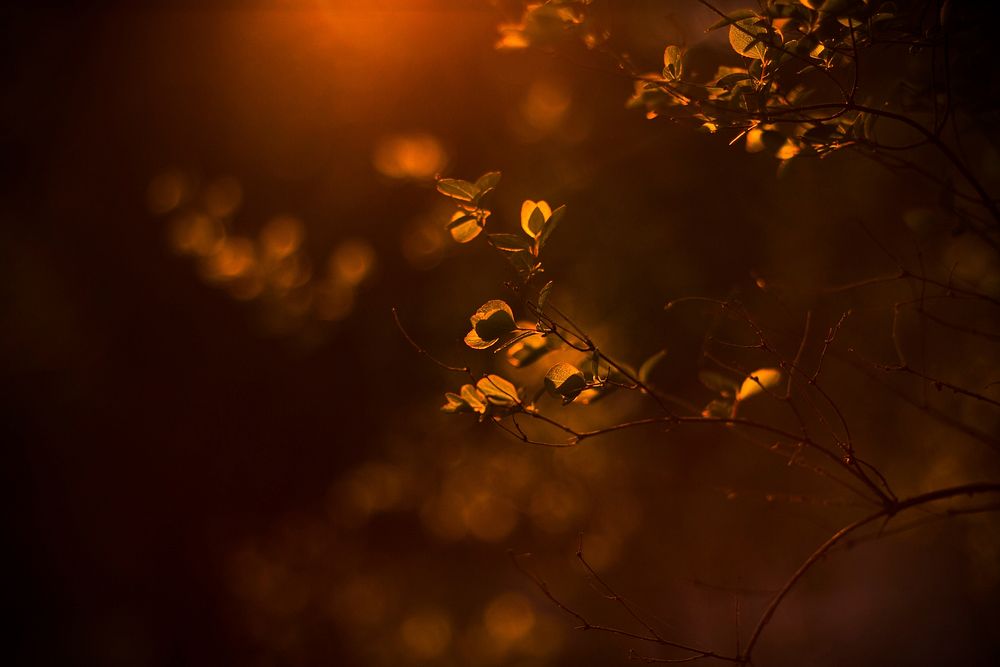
(158, 430)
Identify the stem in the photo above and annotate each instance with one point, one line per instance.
(887, 512)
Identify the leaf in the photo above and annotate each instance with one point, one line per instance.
(473, 340)
(474, 398)
(464, 227)
(745, 38)
(498, 391)
(650, 364)
(455, 403)
(487, 182)
(492, 320)
(732, 17)
(533, 216)
(510, 242)
(550, 225)
(459, 218)
(565, 380)
(718, 383)
(458, 189)
(672, 64)
(543, 294)
(757, 382)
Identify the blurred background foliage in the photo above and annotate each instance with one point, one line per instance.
(222, 451)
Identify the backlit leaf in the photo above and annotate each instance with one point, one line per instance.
(492, 320)
(511, 242)
(498, 391)
(565, 380)
(464, 227)
(458, 189)
(757, 382)
(455, 403)
(474, 398)
(672, 65)
(533, 216)
(543, 294)
(473, 340)
(550, 224)
(487, 182)
(745, 37)
(732, 17)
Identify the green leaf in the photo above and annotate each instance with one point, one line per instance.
(487, 182)
(510, 242)
(650, 364)
(550, 225)
(498, 391)
(757, 382)
(492, 320)
(458, 189)
(565, 380)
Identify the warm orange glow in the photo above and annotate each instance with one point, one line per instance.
(509, 617)
(232, 258)
(489, 517)
(169, 190)
(195, 234)
(423, 242)
(375, 487)
(361, 600)
(334, 301)
(352, 261)
(426, 634)
(546, 105)
(281, 236)
(222, 197)
(416, 156)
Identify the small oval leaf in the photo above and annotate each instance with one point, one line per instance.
(492, 320)
(498, 391)
(758, 381)
(565, 380)
(487, 181)
(458, 189)
(533, 216)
